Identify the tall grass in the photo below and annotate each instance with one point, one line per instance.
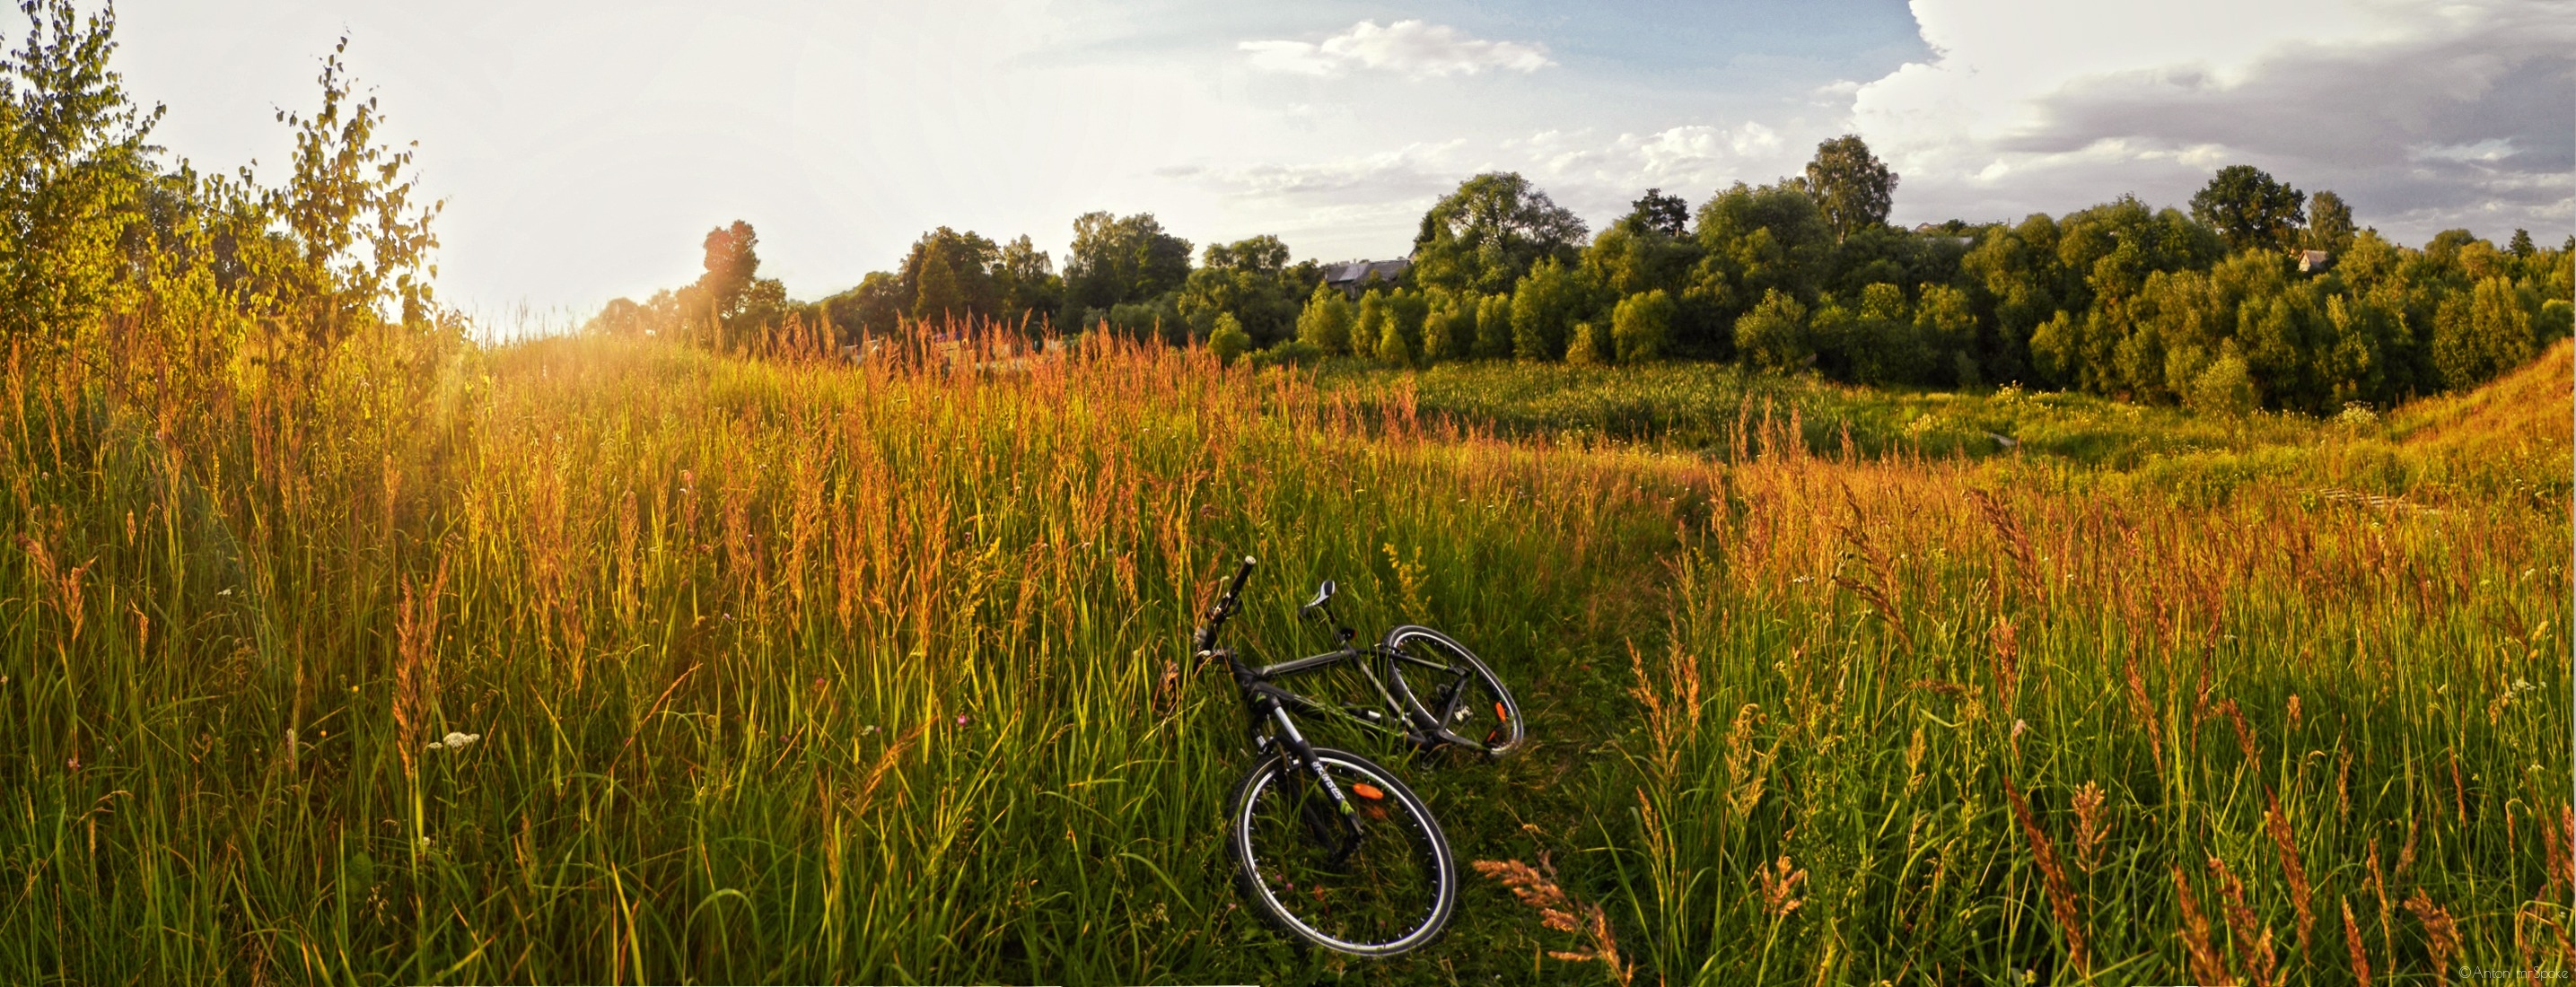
(2005, 727)
(792, 670)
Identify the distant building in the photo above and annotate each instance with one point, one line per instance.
(1349, 277)
(2314, 261)
(1941, 231)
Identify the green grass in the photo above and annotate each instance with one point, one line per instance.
(1714, 407)
(798, 671)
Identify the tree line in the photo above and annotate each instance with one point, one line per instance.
(2221, 306)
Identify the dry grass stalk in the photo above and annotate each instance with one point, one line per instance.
(67, 586)
(2061, 894)
(1673, 712)
(2090, 826)
(2379, 889)
(2278, 824)
(1780, 894)
(2007, 646)
(2560, 847)
(1880, 589)
(2343, 786)
(2015, 543)
(2144, 707)
(416, 663)
(2244, 736)
(1537, 888)
(2459, 792)
(2291, 712)
(2441, 933)
(2207, 966)
(2253, 939)
(2406, 854)
(2352, 944)
(1743, 780)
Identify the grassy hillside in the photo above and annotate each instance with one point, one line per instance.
(797, 671)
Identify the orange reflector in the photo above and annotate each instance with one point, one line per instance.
(1365, 790)
(1499, 714)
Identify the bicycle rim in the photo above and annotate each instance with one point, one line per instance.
(1462, 695)
(1393, 891)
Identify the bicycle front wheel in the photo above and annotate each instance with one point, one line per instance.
(1451, 691)
(1385, 891)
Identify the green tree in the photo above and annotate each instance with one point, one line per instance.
(1665, 214)
(2520, 246)
(1879, 343)
(1370, 325)
(1850, 185)
(1228, 341)
(1326, 322)
(1544, 306)
(1585, 350)
(1490, 233)
(2226, 387)
(873, 307)
(2329, 223)
(1025, 280)
(1947, 328)
(1493, 327)
(1391, 345)
(2249, 208)
(948, 275)
(2481, 332)
(73, 166)
(1118, 260)
(1640, 325)
(1774, 334)
(1250, 279)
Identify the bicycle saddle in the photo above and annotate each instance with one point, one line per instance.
(1323, 593)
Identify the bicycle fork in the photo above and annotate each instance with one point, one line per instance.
(1304, 752)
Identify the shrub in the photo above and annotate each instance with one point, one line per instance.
(1641, 325)
(1228, 340)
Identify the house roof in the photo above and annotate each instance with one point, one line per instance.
(1358, 271)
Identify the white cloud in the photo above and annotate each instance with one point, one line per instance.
(1414, 48)
(2421, 114)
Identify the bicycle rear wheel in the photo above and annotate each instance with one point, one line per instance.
(1388, 892)
(1445, 685)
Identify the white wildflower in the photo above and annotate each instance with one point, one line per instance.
(455, 741)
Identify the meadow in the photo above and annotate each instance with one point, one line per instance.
(781, 669)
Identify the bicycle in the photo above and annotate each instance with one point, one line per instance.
(1328, 845)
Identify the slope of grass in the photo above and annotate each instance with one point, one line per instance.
(798, 671)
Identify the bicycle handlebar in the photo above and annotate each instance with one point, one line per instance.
(1225, 605)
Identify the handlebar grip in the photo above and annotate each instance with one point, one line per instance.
(1236, 588)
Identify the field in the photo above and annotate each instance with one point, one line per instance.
(785, 670)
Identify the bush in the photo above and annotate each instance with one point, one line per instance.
(1585, 351)
(1228, 340)
(1292, 353)
(2226, 388)
(1640, 326)
(1774, 335)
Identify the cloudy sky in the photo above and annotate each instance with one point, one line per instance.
(585, 146)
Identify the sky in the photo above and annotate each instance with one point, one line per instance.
(584, 147)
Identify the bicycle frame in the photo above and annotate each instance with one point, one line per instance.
(1394, 725)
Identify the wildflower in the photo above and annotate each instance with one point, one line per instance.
(455, 741)
(962, 720)
(226, 591)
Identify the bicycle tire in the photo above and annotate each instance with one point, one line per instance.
(1462, 697)
(1375, 903)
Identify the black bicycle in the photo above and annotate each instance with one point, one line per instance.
(1329, 846)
